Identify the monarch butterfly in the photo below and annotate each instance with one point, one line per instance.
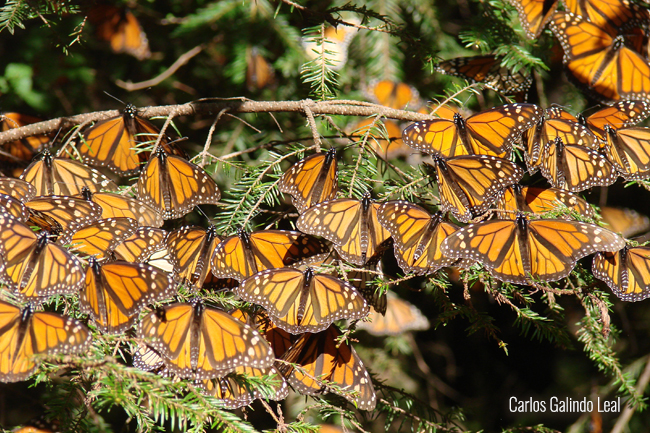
(608, 14)
(629, 150)
(619, 115)
(259, 73)
(350, 224)
(115, 143)
(627, 222)
(575, 168)
(491, 132)
(311, 180)
(468, 185)
(234, 391)
(200, 342)
(138, 247)
(298, 301)
(323, 360)
(625, 272)
(518, 198)
(23, 149)
(599, 62)
(487, 70)
(245, 254)
(417, 236)
(69, 213)
(400, 317)
(13, 207)
(548, 129)
(334, 48)
(60, 176)
(173, 186)
(190, 250)
(116, 292)
(34, 267)
(520, 250)
(121, 30)
(100, 238)
(534, 14)
(26, 334)
(393, 94)
(17, 188)
(387, 146)
(119, 206)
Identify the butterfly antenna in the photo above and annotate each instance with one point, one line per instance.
(116, 98)
(203, 213)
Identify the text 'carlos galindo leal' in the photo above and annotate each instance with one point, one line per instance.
(564, 405)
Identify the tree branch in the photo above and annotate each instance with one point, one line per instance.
(211, 106)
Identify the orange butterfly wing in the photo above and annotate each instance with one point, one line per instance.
(300, 301)
(311, 180)
(417, 236)
(626, 272)
(116, 292)
(321, 359)
(24, 336)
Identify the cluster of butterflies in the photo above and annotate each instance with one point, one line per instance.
(65, 231)
(605, 44)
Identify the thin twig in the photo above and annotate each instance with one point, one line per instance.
(312, 123)
(183, 59)
(208, 141)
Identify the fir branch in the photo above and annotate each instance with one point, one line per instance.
(598, 341)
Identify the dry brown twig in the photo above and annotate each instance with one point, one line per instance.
(212, 106)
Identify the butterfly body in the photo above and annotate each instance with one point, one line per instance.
(625, 272)
(491, 132)
(534, 14)
(199, 342)
(116, 292)
(233, 394)
(23, 149)
(119, 206)
(321, 360)
(469, 184)
(312, 180)
(25, 334)
(245, 254)
(173, 186)
(488, 70)
(520, 250)
(599, 60)
(417, 236)
(576, 168)
(36, 268)
(191, 249)
(60, 176)
(303, 301)
(121, 30)
(547, 130)
(518, 198)
(400, 317)
(619, 115)
(350, 224)
(629, 150)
